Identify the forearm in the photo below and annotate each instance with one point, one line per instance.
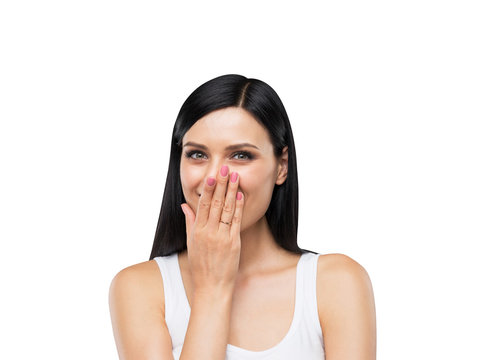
(209, 325)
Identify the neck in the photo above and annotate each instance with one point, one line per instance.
(259, 251)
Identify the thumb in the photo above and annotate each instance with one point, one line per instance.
(190, 218)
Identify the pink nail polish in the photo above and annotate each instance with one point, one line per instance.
(211, 181)
(233, 177)
(224, 170)
(239, 196)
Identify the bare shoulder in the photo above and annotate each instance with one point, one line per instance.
(340, 279)
(346, 307)
(136, 303)
(342, 267)
(142, 281)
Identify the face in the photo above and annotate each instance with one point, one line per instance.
(205, 150)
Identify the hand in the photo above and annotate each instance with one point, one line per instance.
(213, 247)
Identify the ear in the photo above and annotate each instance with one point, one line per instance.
(282, 167)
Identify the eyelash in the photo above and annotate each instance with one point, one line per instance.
(249, 155)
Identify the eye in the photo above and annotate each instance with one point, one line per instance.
(248, 155)
(194, 152)
(199, 155)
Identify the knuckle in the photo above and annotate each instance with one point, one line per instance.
(217, 203)
(222, 181)
(207, 190)
(201, 234)
(236, 219)
(210, 236)
(197, 237)
(213, 240)
(228, 207)
(232, 185)
(204, 204)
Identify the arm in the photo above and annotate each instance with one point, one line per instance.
(136, 302)
(209, 324)
(346, 309)
(213, 250)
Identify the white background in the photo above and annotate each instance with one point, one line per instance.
(382, 101)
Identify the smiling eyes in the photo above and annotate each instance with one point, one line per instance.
(248, 156)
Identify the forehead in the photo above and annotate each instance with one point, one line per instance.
(227, 126)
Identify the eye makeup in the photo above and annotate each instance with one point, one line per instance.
(249, 156)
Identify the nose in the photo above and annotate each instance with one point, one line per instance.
(213, 170)
(215, 167)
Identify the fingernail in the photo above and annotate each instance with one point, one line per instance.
(211, 181)
(224, 170)
(239, 196)
(233, 177)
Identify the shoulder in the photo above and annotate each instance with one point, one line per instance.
(138, 283)
(341, 279)
(136, 302)
(346, 307)
(341, 267)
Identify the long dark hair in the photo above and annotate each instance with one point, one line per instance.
(263, 103)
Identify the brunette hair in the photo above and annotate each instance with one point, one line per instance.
(260, 100)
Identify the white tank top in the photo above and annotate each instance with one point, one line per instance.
(304, 339)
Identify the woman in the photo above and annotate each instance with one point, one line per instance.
(226, 278)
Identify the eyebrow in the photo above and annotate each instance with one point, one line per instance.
(228, 148)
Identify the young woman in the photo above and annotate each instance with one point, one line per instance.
(226, 278)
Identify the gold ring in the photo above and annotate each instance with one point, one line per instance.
(223, 222)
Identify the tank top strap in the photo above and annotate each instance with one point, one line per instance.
(312, 320)
(174, 293)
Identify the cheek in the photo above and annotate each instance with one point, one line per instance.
(190, 180)
(257, 184)
(256, 179)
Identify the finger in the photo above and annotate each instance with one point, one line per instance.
(205, 200)
(237, 218)
(217, 203)
(229, 206)
(190, 218)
